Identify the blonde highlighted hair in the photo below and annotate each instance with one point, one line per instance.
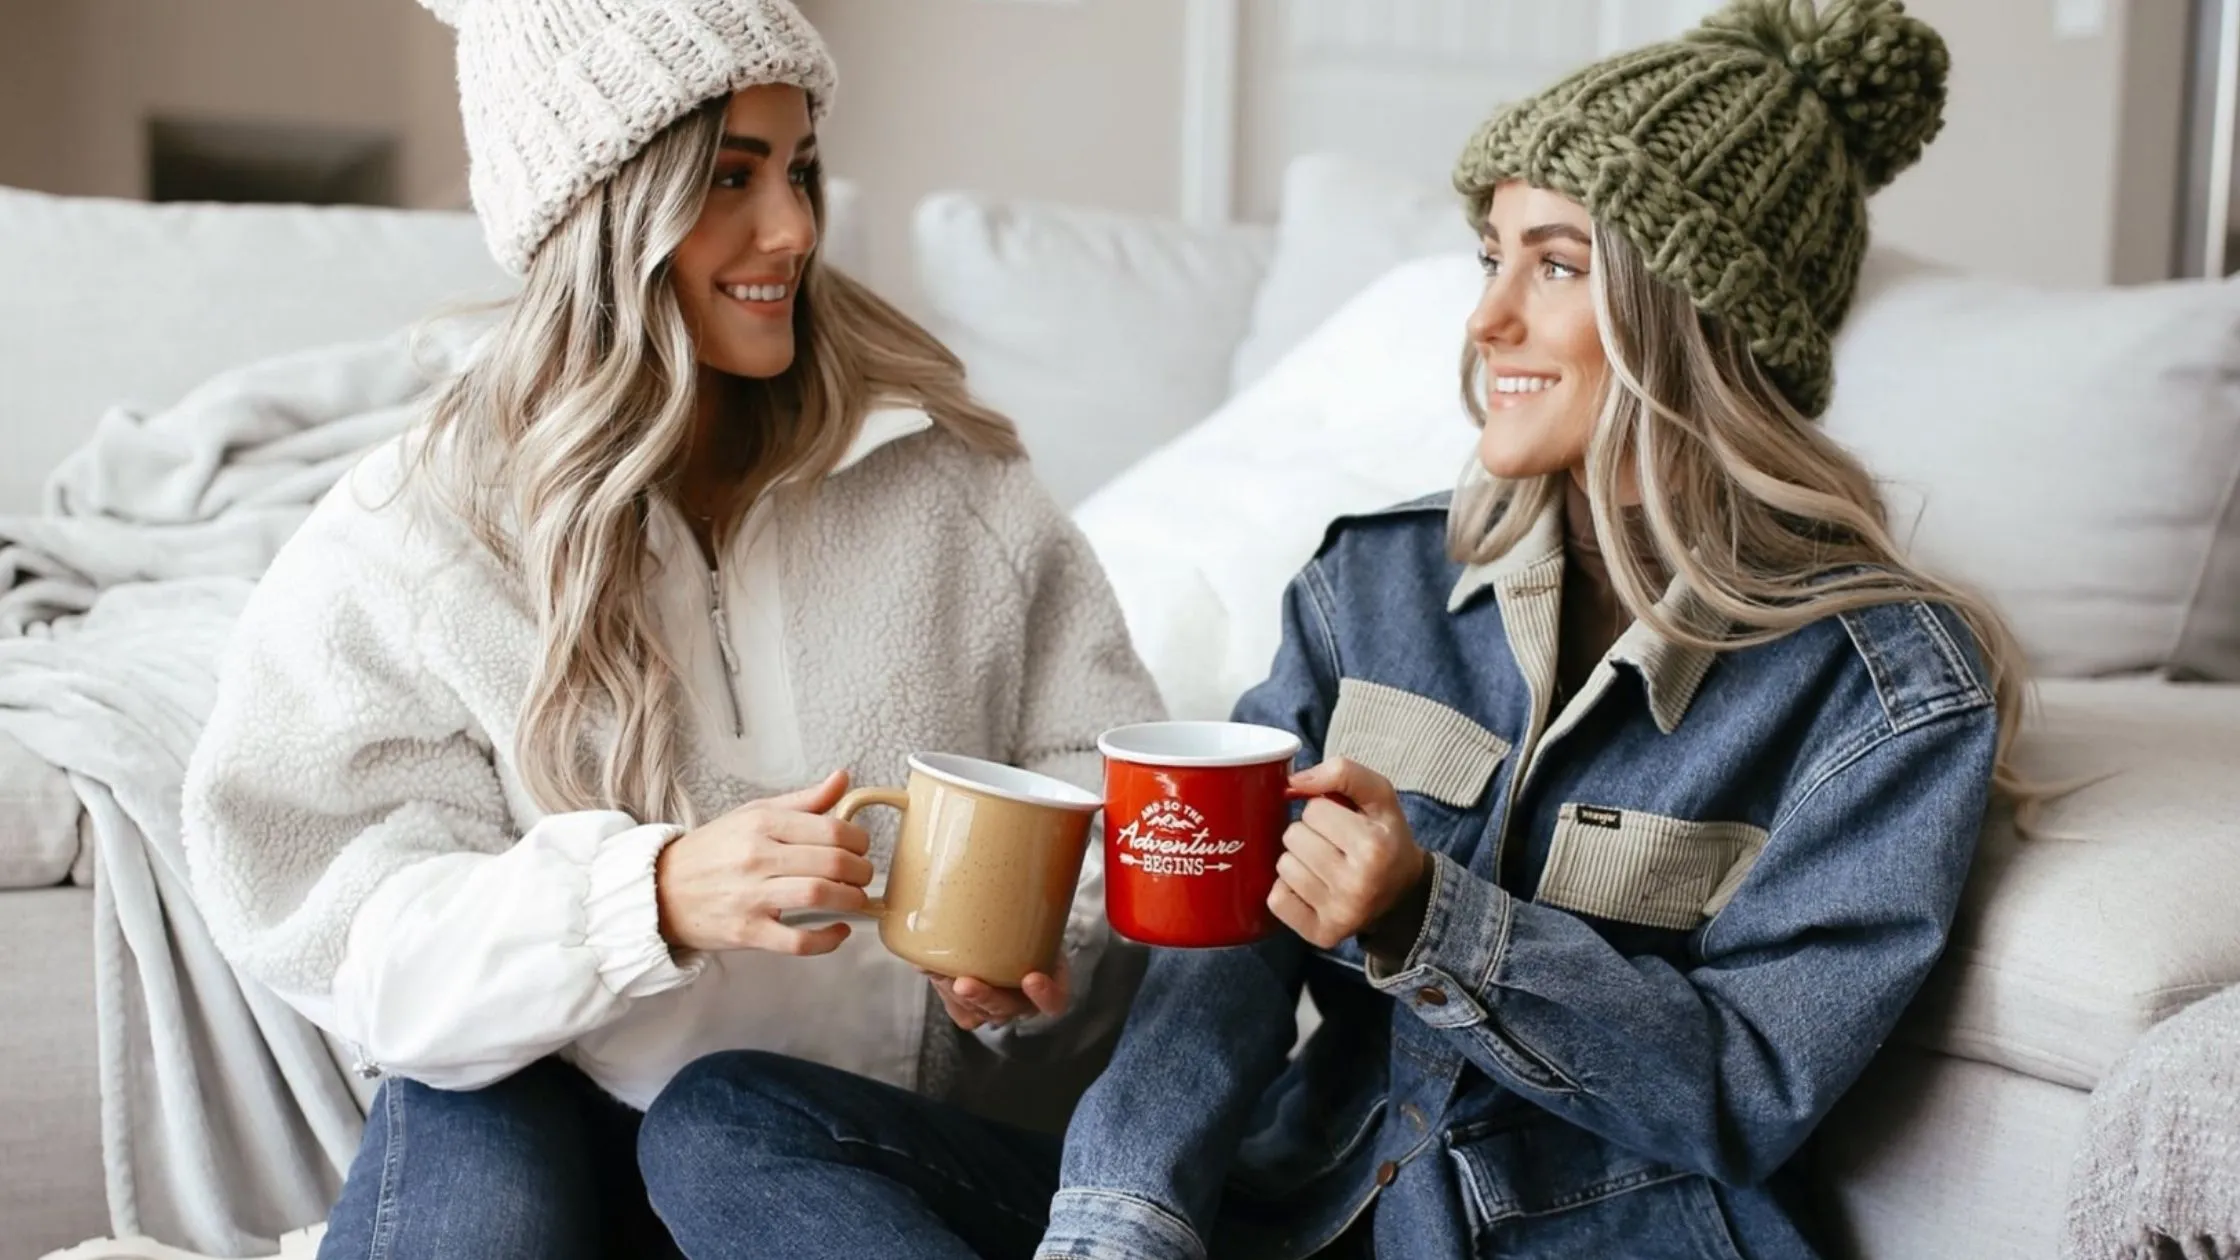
(556, 443)
(1768, 522)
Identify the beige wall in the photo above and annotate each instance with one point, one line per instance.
(434, 167)
(1076, 102)
(109, 64)
(2150, 148)
(35, 38)
(2045, 137)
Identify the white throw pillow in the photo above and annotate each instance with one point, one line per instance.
(1201, 537)
(1101, 335)
(120, 302)
(2071, 453)
(1344, 222)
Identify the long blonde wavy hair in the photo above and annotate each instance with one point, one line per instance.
(1768, 521)
(579, 412)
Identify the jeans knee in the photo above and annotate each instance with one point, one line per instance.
(499, 1173)
(721, 1108)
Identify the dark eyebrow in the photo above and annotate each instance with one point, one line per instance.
(761, 147)
(1551, 231)
(1546, 231)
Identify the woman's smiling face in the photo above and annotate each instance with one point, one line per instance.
(1534, 331)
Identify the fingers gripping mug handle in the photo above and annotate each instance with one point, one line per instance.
(1296, 795)
(860, 800)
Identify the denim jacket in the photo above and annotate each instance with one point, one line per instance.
(1669, 925)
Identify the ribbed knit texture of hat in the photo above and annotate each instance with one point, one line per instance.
(1738, 159)
(557, 95)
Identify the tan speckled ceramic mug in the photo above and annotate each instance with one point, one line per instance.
(984, 869)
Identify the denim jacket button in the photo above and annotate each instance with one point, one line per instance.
(1386, 1171)
(1413, 1115)
(1431, 995)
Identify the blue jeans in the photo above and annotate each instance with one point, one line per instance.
(539, 1166)
(751, 1155)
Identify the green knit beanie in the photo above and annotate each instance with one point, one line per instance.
(1738, 159)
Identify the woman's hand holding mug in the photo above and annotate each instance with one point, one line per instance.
(722, 885)
(974, 1003)
(1344, 869)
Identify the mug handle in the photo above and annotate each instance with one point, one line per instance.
(860, 800)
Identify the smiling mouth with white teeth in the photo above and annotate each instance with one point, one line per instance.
(758, 292)
(1521, 384)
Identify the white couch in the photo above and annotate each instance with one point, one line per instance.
(1112, 339)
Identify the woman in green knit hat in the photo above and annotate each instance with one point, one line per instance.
(1648, 769)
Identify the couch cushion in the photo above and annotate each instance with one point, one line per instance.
(119, 302)
(1201, 537)
(2117, 908)
(1101, 335)
(2072, 452)
(38, 820)
(1933, 1158)
(1343, 223)
(51, 1187)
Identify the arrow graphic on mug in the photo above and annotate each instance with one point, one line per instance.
(1127, 859)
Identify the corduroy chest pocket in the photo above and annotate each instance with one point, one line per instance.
(1636, 867)
(1440, 760)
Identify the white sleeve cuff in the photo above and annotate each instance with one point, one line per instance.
(622, 919)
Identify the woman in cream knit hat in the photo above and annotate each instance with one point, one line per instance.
(527, 741)
(1648, 768)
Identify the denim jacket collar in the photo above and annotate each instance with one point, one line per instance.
(1533, 569)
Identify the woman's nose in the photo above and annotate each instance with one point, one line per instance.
(789, 228)
(1498, 318)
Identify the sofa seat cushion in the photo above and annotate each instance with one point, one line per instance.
(1935, 1158)
(38, 820)
(2116, 910)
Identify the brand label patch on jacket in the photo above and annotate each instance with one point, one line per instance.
(1597, 816)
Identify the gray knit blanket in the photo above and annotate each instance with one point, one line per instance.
(225, 1118)
(2158, 1177)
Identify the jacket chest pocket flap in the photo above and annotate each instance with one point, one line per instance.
(1421, 745)
(1631, 866)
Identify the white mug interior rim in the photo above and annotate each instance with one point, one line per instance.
(1009, 782)
(1198, 744)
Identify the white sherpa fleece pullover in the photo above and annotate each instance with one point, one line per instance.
(360, 840)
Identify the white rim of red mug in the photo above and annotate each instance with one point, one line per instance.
(1198, 745)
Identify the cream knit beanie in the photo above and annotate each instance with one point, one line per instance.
(558, 94)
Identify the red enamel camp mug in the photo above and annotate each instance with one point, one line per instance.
(1194, 814)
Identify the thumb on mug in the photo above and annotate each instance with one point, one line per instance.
(817, 798)
(1353, 785)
